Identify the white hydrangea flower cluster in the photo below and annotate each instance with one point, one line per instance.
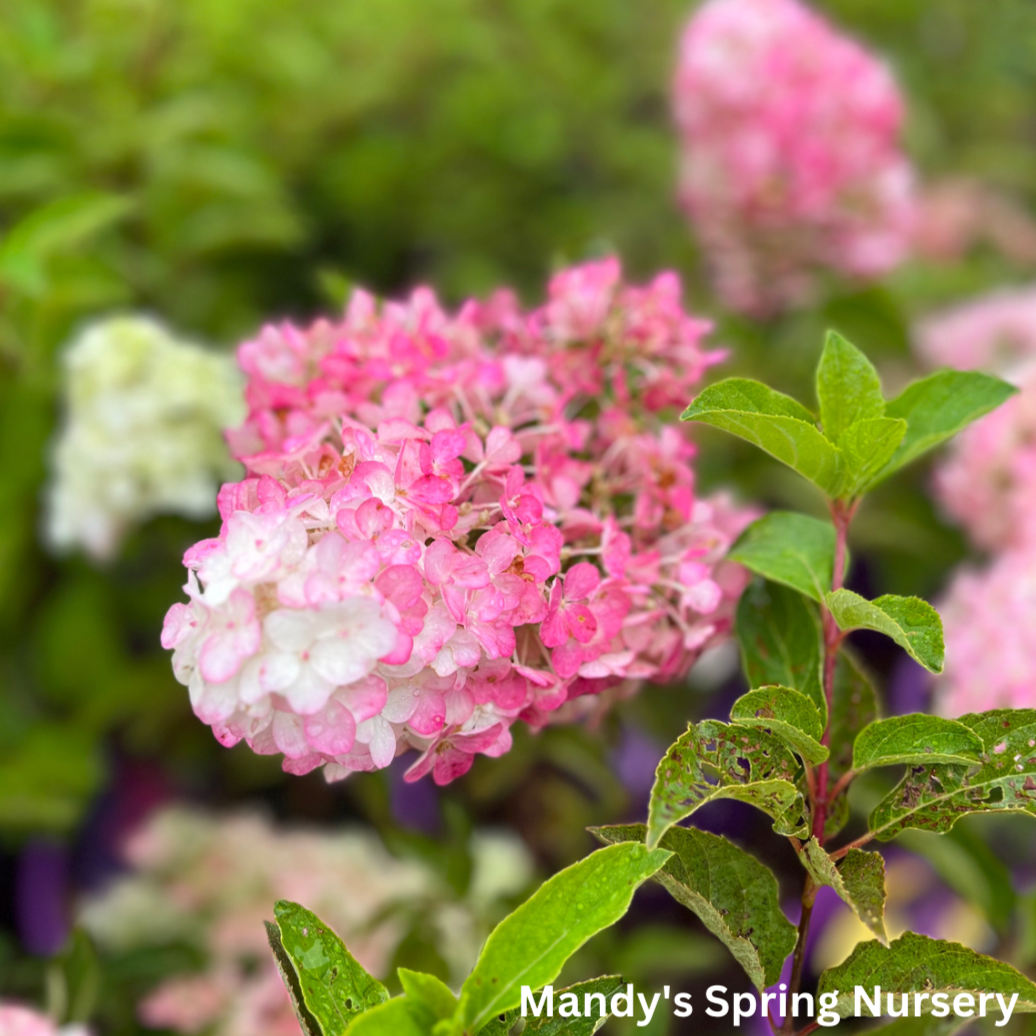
(142, 433)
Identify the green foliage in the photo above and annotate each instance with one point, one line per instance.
(328, 987)
(788, 548)
(848, 387)
(859, 880)
(939, 406)
(775, 423)
(912, 623)
(787, 715)
(530, 946)
(781, 640)
(934, 798)
(744, 764)
(916, 738)
(917, 964)
(585, 1026)
(430, 991)
(863, 439)
(735, 896)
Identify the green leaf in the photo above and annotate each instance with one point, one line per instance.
(430, 991)
(937, 407)
(916, 964)
(859, 880)
(789, 548)
(926, 1025)
(866, 448)
(934, 798)
(912, 623)
(586, 1026)
(735, 896)
(747, 765)
(916, 738)
(848, 387)
(854, 705)
(775, 423)
(401, 1016)
(788, 715)
(328, 987)
(781, 640)
(530, 946)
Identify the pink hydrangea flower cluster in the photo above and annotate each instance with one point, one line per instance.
(455, 521)
(988, 616)
(791, 163)
(987, 481)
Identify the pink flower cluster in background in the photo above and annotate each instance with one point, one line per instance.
(987, 483)
(791, 162)
(453, 521)
(16, 1020)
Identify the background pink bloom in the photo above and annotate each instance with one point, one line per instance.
(791, 164)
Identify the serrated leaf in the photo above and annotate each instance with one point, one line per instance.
(788, 715)
(934, 798)
(915, 738)
(585, 1026)
(430, 991)
(743, 764)
(917, 964)
(328, 987)
(530, 946)
(848, 386)
(735, 896)
(775, 423)
(859, 881)
(866, 448)
(781, 640)
(938, 407)
(400, 1016)
(912, 623)
(789, 548)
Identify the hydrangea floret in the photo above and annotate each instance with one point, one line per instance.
(454, 521)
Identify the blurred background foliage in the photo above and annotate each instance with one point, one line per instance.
(224, 163)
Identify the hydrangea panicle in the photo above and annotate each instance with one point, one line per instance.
(452, 522)
(142, 435)
(791, 162)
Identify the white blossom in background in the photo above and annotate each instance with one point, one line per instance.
(208, 881)
(142, 433)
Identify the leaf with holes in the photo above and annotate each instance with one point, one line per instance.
(934, 798)
(743, 764)
(848, 387)
(912, 623)
(915, 964)
(781, 640)
(775, 423)
(328, 987)
(915, 738)
(859, 880)
(529, 947)
(938, 407)
(735, 896)
(786, 714)
(591, 1021)
(789, 548)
